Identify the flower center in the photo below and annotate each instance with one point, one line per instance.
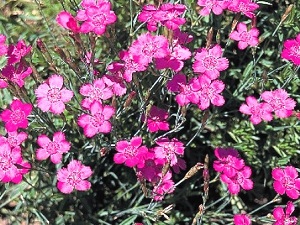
(288, 183)
(52, 147)
(97, 120)
(130, 151)
(54, 95)
(98, 20)
(295, 50)
(17, 116)
(210, 62)
(74, 178)
(245, 36)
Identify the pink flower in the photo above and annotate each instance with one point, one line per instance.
(149, 15)
(240, 180)
(206, 91)
(285, 218)
(97, 121)
(16, 52)
(96, 16)
(280, 102)
(97, 91)
(131, 153)
(67, 21)
(116, 84)
(12, 166)
(217, 6)
(3, 46)
(54, 148)
(258, 111)
(210, 62)
(157, 119)
(286, 181)
(16, 73)
(291, 50)
(182, 37)
(15, 139)
(147, 47)
(166, 186)
(168, 150)
(170, 15)
(245, 37)
(229, 161)
(16, 116)
(73, 177)
(241, 219)
(244, 6)
(52, 96)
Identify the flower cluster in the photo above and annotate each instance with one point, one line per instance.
(95, 16)
(247, 7)
(16, 68)
(167, 14)
(234, 173)
(150, 162)
(276, 101)
(291, 50)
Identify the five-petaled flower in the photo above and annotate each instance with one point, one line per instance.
(157, 119)
(284, 217)
(74, 177)
(52, 96)
(54, 148)
(286, 181)
(291, 50)
(97, 121)
(16, 116)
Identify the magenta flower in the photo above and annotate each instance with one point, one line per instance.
(52, 96)
(241, 219)
(149, 15)
(16, 73)
(280, 102)
(131, 153)
(96, 15)
(16, 116)
(16, 52)
(12, 166)
(257, 111)
(210, 62)
(54, 148)
(166, 186)
(97, 91)
(157, 119)
(15, 139)
(245, 37)
(285, 218)
(168, 150)
(74, 177)
(97, 121)
(229, 161)
(244, 6)
(291, 50)
(217, 6)
(286, 181)
(170, 15)
(3, 46)
(147, 47)
(67, 21)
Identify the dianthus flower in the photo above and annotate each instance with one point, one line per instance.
(17, 73)
(3, 46)
(97, 121)
(12, 166)
(147, 47)
(170, 15)
(74, 177)
(131, 153)
(291, 50)
(206, 91)
(15, 139)
(241, 219)
(168, 150)
(210, 62)
(228, 161)
(217, 6)
(182, 38)
(16, 52)
(240, 180)
(67, 21)
(244, 6)
(284, 217)
(96, 16)
(16, 116)
(166, 186)
(115, 83)
(97, 91)
(157, 119)
(245, 37)
(286, 181)
(52, 96)
(54, 148)
(148, 15)
(258, 111)
(280, 102)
